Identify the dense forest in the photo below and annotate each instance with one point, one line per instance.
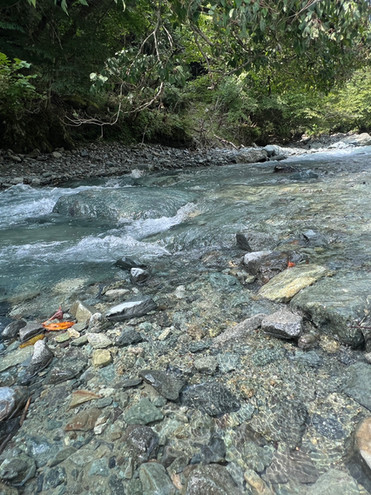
(182, 72)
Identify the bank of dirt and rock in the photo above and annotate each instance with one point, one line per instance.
(245, 370)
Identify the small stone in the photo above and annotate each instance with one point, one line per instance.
(56, 154)
(11, 330)
(17, 470)
(54, 477)
(209, 480)
(101, 358)
(239, 331)
(12, 400)
(141, 442)
(133, 308)
(80, 341)
(155, 480)
(31, 329)
(41, 358)
(253, 261)
(15, 357)
(128, 337)
(62, 337)
(164, 335)
(212, 398)
(283, 324)
(61, 456)
(207, 365)
(138, 275)
(165, 383)
(99, 340)
(81, 311)
(143, 413)
(84, 421)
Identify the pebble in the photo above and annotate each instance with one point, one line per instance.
(101, 357)
(143, 413)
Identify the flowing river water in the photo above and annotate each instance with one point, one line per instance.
(270, 416)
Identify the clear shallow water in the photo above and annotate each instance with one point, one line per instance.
(202, 209)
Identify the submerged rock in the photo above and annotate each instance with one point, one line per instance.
(362, 443)
(285, 285)
(142, 442)
(133, 308)
(18, 470)
(211, 480)
(138, 275)
(129, 336)
(239, 331)
(295, 465)
(166, 384)
(334, 482)
(283, 324)
(143, 413)
(11, 331)
(212, 398)
(359, 383)
(155, 480)
(29, 330)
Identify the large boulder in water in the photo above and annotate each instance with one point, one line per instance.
(124, 204)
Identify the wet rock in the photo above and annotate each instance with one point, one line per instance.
(54, 477)
(336, 304)
(99, 340)
(68, 368)
(133, 308)
(313, 238)
(283, 324)
(61, 456)
(18, 469)
(131, 382)
(31, 329)
(211, 480)
(250, 156)
(295, 465)
(228, 361)
(155, 480)
(310, 358)
(285, 285)
(239, 331)
(212, 398)
(126, 263)
(328, 426)
(82, 312)
(358, 384)
(138, 275)
(129, 336)
(7, 490)
(101, 358)
(97, 323)
(207, 364)
(119, 205)
(257, 485)
(165, 383)
(143, 413)
(14, 358)
(362, 443)
(12, 400)
(255, 241)
(84, 420)
(116, 485)
(41, 358)
(281, 420)
(214, 451)
(334, 482)
(254, 260)
(284, 169)
(307, 341)
(141, 442)
(11, 331)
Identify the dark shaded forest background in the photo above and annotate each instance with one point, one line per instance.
(182, 73)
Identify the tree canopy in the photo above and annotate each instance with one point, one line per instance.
(136, 55)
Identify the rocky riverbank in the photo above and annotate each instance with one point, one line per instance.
(104, 160)
(241, 370)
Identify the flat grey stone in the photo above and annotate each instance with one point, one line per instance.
(358, 384)
(132, 308)
(143, 413)
(283, 324)
(165, 383)
(212, 398)
(155, 480)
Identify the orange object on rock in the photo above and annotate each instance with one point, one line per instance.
(290, 264)
(54, 327)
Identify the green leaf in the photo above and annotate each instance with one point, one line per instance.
(83, 2)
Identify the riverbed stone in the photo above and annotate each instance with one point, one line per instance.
(206, 364)
(133, 308)
(41, 358)
(138, 275)
(295, 465)
(250, 156)
(82, 311)
(284, 286)
(11, 331)
(15, 357)
(358, 383)
(336, 304)
(211, 480)
(165, 383)
(17, 469)
(143, 413)
(141, 442)
(283, 324)
(101, 358)
(155, 480)
(99, 340)
(212, 398)
(31, 329)
(254, 260)
(129, 336)
(239, 331)
(362, 443)
(334, 482)
(84, 420)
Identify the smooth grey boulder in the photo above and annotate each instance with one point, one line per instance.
(31, 329)
(11, 330)
(133, 308)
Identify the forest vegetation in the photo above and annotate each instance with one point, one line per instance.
(182, 72)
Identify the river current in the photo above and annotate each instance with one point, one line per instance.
(78, 231)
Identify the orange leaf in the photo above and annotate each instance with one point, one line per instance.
(54, 327)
